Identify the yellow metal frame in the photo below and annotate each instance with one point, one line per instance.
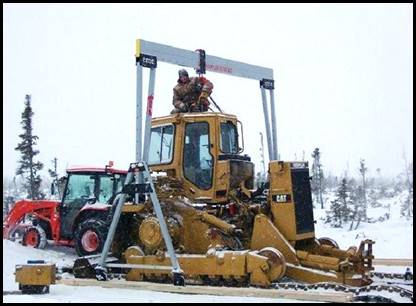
(283, 214)
(138, 47)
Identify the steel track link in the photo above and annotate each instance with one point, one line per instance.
(370, 293)
(383, 275)
(366, 293)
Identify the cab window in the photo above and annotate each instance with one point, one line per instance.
(80, 186)
(229, 138)
(161, 145)
(197, 159)
(109, 186)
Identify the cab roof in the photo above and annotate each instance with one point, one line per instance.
(195, 115)
(94, 170)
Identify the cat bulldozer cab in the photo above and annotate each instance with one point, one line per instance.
(203, 151)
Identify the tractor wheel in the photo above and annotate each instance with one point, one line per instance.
(90, 236)
(35, 237)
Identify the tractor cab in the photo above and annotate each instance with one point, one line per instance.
(203, 150)
(83, 185)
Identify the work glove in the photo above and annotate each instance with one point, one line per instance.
(202, 105)
(203, 95)
(194, 107)
(180, 106)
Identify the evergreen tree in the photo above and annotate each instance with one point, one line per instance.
(363, 194)
(406, 208)
(7, 191)
(322, 185)
(330, 182)
(359, 212)
(339, 212)
(54, 175)
(374, 196)
(262, 175)
(382, 185)
(28, 167)
(317, 177)
(352, 183)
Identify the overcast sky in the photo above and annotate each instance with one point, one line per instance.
(343, 75)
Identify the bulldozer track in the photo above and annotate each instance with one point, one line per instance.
(381, 290)
(397, 279)
(394, 276)
(369, 293)
(326, 292)
(386, 288)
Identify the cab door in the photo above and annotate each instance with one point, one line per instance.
(199, 158)
(198, 162)
(187, 150)
(79, 189)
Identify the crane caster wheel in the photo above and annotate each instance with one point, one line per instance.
(178, 279)
(83, 269)
(33, 289)
(100, 274)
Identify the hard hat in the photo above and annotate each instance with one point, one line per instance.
(183, 72)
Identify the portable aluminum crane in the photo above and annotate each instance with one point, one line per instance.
(147, 55)
(294, 237)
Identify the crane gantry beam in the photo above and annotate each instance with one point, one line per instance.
(149, 53)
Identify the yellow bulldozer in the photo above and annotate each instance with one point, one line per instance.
(222, 229)
(199, 216)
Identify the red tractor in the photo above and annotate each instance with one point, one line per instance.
(79, 219)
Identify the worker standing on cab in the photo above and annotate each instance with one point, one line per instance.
(191, 94)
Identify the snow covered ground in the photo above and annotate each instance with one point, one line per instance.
(394, 239)
(14, 253)
(68, 294)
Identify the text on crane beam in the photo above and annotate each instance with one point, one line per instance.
(149, 106)
(218, 68)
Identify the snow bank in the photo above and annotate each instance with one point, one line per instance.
(393, 237)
